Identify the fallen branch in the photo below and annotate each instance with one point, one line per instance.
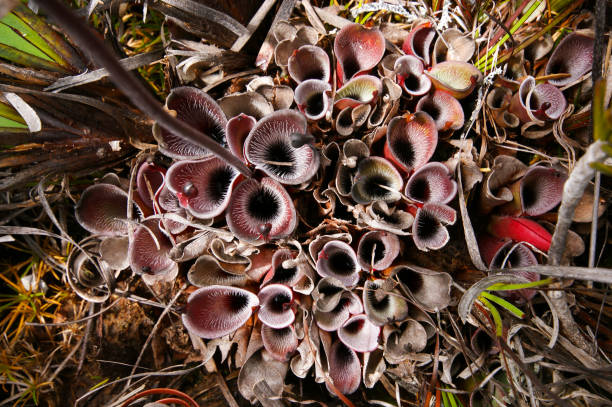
(572, 193)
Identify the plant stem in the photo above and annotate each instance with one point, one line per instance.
(572, 192)
(91, 44)
(596, 72)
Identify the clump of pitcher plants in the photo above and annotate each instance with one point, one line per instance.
(347, 149)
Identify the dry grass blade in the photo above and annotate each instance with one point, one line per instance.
(129, 63)
(209, 13)
(468, 230)
(598, 275)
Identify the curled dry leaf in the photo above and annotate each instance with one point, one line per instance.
(208, 271)
(401, 343)
(305, 35)
(261, 367)
(114, 251)
(309, 62)
(495, 191)
(453, 45)
(346, 304)
(373, 367)
(249, 103)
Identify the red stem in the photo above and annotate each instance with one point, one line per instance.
(172, 400)
(191, 402)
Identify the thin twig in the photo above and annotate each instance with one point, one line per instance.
(231, 401)
(596, 72)
(230, 77)
(92, 308)
(154, 331)
(66, 359)
(600, 275)
(594, 221)
(139, 375)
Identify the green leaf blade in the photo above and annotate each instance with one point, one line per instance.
(12, 39)
(504, 304)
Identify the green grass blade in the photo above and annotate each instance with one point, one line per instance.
(509, 287)
(603, 168)
(366, 17)
(499, 327)
(482, 62)
(601, 127)
(101, 383)
(444, 398)
(451, 398)
(607, 149)
(27, 40)
(8, 124)
(558, 5)
(56, 43)
(554, 23)
(505, 304)
(22, 58)
(24, 31)
(9, 37)
(7, 112)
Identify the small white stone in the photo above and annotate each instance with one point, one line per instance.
(30, 284)
(115, 145)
